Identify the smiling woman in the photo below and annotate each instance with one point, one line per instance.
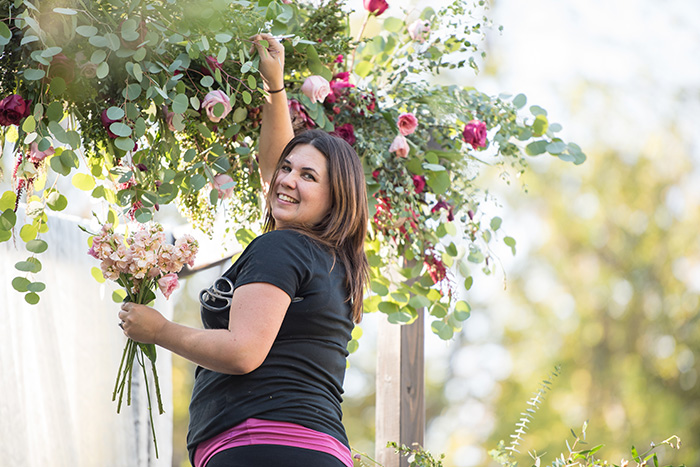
(272, 354)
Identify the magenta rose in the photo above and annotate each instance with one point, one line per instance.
(407, 123)
(14, 109)
(316, 88)
(347, 132)
(419, 183)
(213, 98)
(399, 146)
(376, 7)
(475, 134)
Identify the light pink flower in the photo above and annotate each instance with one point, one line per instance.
(220, 181)
(213, 98)
(407, 123)
(167, 284)
(377, 7)
(168, 117)
(37, 156)
(316, 88)
(474, 133)
(399, 146)
(419, 30)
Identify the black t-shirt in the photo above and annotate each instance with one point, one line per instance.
(301, 379)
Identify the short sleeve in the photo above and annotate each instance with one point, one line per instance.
(281, 258)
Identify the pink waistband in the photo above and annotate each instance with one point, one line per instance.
(256, 431)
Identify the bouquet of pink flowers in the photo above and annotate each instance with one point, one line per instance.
(141, 262)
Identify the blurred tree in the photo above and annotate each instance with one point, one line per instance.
(611, 294)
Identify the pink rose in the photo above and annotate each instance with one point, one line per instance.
(213, 98)
(475, 134)
(376, 7)
(106, 122)
(407, 123)
(399, 146)
(167, 284)
(347, 132)
(221, 181)
(37, 156)
(316, 88)
(88, 70)
(419, 183)
(419, 30)
(14, 109)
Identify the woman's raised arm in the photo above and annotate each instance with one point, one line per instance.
(276, 129)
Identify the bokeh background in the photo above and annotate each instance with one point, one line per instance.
(606, 277)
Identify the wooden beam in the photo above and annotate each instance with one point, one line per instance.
(400, 395)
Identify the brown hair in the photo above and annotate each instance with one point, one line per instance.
(344, 229)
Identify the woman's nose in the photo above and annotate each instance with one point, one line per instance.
(289, 180)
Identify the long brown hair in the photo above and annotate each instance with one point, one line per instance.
(344, 229)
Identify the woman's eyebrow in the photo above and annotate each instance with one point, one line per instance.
(310, 169)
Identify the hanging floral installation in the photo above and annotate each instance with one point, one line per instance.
(143, 103)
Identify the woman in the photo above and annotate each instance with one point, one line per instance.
(272, 355)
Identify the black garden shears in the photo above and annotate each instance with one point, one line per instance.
(217, 298)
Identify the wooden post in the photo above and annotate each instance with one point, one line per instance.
(400, 396)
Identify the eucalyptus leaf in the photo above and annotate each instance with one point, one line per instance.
(86, 30)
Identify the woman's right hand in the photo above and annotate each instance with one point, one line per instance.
(271, 61)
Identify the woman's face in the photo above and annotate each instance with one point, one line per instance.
(301, 194)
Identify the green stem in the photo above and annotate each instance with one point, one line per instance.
(140, 359)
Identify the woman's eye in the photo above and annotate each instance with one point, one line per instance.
(309, 177)
(285, 168)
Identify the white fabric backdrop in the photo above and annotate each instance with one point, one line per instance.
(58, 363)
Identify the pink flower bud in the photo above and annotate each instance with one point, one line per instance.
(419, 30)
(399, 146)
(37, 156)
(167, 284)
(316, 88)
(376, 7)
(220, 181)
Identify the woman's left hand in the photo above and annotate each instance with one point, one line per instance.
(141, 323)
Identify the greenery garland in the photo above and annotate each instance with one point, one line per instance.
(145, 103)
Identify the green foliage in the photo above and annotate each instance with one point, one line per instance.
(117, 94)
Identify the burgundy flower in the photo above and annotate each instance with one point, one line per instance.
(338, 59)
(299, 116)
(62, 67)
(474, 133)
(419, 183)
(376, 7)
(106, 122)
(212, 64)
(347, 132)
(444, 205)
(436, 268)
(14, 109)
(375, 174)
